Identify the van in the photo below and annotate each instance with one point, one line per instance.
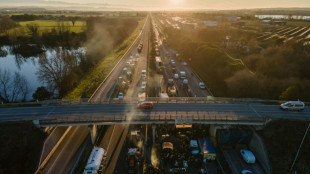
(293, 106)
(248, 156)
(143, 73)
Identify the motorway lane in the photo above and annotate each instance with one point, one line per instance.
(141, 63)
(104, 91)
(59, 162)
(105, 110)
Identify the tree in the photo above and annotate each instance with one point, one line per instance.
(291, 93)
(13, 88)
(41, 94)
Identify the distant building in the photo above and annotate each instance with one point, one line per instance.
(210, 23)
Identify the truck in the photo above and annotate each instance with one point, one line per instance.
(171, 89)
(207, 150)
(140, 46)
(182, 74)
(95, 161)
(133, 159)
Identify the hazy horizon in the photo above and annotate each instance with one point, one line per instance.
(160, 4)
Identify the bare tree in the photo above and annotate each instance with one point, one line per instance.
(14, 88)
(33, 29)
(52, 70)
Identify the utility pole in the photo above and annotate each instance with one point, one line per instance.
(302, 141)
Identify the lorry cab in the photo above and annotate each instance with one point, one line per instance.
(194, 147)
(293, 105)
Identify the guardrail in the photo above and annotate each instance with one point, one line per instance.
(133, 100)
(147, 118)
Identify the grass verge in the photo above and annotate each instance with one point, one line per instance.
(90, 83)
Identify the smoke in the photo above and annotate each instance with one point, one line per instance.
(154, 158)
(99, 41)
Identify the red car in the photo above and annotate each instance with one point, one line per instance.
(145, 105)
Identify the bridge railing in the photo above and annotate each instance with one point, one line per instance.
(133, 100)
(142, 117)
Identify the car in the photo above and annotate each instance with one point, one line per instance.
(120, 95)
(293, 106)
(202, 85)
(143, 73)
(246, 172)
(145, 105)
(176, 76)
(184, 63)
(143, 85)
(248, 156)
(128, 63)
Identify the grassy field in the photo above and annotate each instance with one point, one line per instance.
(90, 83)
(47, 26)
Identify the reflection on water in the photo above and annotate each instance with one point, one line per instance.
(299, 17)
(26, 66)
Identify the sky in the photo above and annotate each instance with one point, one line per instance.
(166, 4)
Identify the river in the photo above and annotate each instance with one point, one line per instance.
(27, 67)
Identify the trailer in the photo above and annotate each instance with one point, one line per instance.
(94, 163)
(207, 149)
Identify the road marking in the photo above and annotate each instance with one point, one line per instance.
(255, 111)
(50, 111)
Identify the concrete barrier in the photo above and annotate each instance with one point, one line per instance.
(257, 146)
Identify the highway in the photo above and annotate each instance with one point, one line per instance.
(167, 54)
(75, 137)
(102, 111)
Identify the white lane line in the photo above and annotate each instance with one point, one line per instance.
(255, 111)
(50, 111)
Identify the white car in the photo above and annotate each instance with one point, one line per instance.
(202, 85)
(293, 105)
(248, 156)
(176, 76)
(184, 63)
(143, 85)
(120, 95)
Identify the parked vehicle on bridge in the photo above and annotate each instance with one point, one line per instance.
(248, 156)
(145, 105)
(94, 163)
(293, 105)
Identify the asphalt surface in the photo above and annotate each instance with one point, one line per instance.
(61, 162)
(76, 138)
(237, 164)
(105, 90)
(109, 111)
(167, 53)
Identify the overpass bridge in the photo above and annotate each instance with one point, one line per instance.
(198, 110)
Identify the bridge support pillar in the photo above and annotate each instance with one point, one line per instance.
(93, 132)
(212, 130)
(154, 132)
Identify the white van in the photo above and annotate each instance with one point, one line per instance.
(248, 156)
(143, 73)
(293, 106)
